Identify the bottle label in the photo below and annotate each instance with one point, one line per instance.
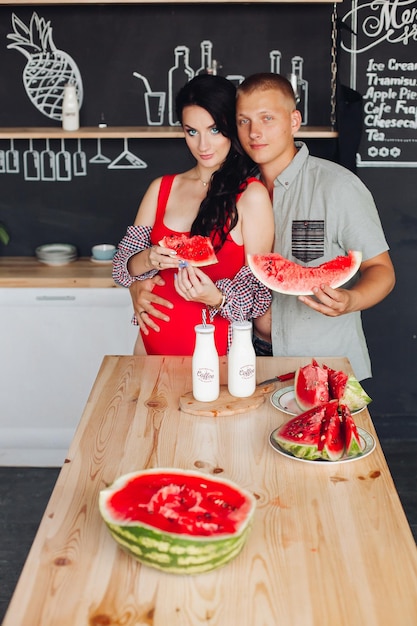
(205, 375)
(247, 371)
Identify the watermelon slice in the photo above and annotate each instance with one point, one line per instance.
(353, 443)
(337, 382)
(332, 442)
(285, 276)
(300, 436)
(311, 386)
(354, 396)
(197, 250)
(347, 389)
(321, 434)
(178, 521)
(314, 385)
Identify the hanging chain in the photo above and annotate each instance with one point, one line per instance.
(333, 67)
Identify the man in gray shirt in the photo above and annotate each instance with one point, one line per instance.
(321, 210)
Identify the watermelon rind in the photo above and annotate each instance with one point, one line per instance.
(355, 397)
(173, 552)
(284, 276)
(353, 444)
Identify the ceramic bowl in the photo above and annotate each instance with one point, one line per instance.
(103, 252)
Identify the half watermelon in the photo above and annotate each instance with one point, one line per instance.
(178, 521)
(197, 250)
(285, 276)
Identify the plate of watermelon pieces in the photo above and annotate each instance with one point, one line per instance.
(322, 403)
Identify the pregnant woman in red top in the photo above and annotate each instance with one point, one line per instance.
(216, 198)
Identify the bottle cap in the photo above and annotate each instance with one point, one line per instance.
(245, 325)
(204, 328)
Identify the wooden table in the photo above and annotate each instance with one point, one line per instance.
(330, 543)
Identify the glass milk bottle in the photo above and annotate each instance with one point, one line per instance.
(205, 365)
(70, 110)
(241, 371)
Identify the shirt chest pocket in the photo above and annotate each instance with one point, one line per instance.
(307, 240)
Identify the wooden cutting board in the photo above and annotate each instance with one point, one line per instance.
(225, 403)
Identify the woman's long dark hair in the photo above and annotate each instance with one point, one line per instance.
(217, 215)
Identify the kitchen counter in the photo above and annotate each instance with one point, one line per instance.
(29, 272)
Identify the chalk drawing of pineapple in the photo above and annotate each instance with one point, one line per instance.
(48, 69)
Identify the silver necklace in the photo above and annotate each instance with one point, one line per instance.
(201, 180)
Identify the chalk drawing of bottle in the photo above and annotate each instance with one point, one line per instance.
(300, 86)
(206, 48)
(179, 74)
(275, 58)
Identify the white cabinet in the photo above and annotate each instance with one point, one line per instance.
(52, 342)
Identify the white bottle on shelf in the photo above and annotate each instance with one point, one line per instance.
(70, 109)
(241, 370)
(205, 365)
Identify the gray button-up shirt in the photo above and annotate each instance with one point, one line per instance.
(322, 210)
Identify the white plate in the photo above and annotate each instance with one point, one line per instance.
(284, 400)
(366, 438)
(56, 262)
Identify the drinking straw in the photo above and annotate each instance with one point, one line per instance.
(145, 80)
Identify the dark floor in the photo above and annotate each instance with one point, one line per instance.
(24, 493)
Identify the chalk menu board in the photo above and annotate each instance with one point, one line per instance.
(381, 41)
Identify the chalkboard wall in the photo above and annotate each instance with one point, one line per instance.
(108, 44)
(92, 189)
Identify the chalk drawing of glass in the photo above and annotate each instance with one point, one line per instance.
(154, 103)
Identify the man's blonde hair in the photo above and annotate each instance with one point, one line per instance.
(265, 81)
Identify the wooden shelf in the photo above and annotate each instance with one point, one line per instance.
(132, 132)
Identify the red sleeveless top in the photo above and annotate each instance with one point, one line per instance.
(177, 337)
